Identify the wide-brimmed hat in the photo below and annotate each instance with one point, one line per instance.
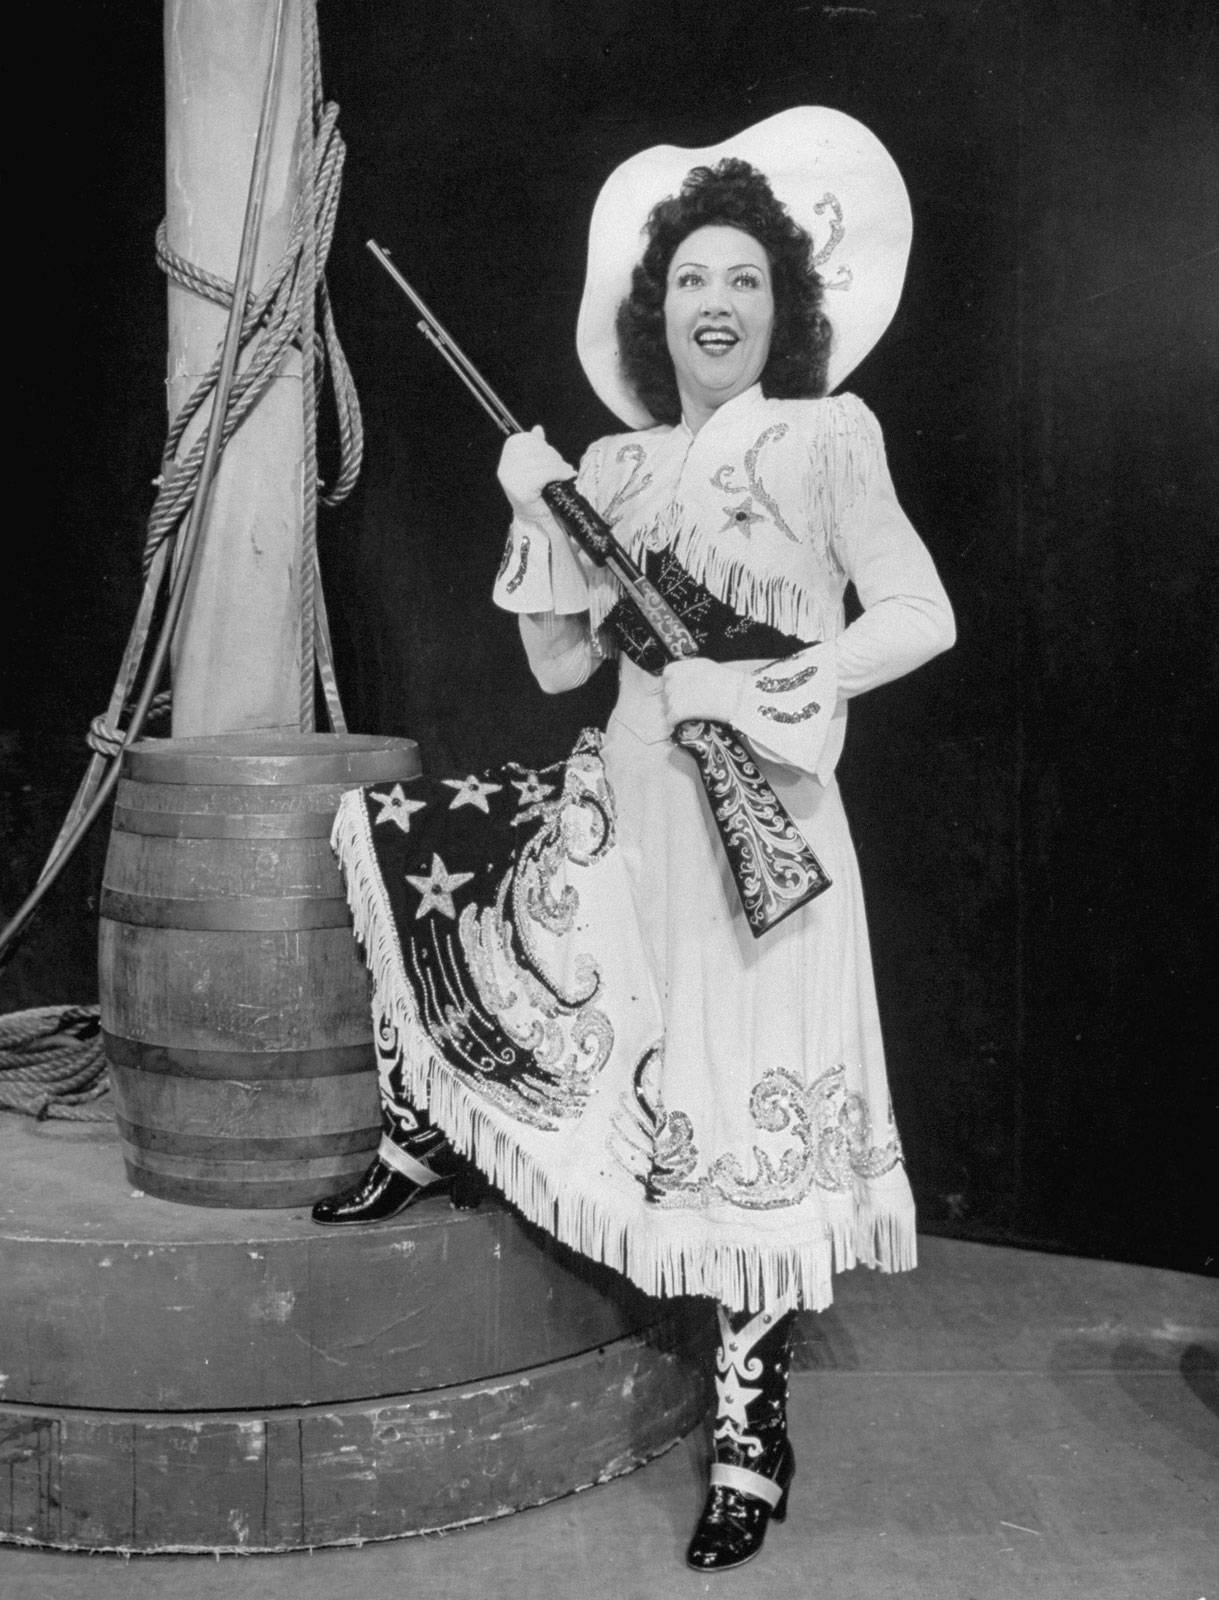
(835, 178)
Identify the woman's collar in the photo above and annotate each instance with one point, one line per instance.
(738, 405)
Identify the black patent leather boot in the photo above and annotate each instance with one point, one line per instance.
(753, 1463)
(405, 1170)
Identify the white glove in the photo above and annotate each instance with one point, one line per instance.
(526, 465)
(701, 690)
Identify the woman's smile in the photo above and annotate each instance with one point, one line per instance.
(719, 314)
(715, 341)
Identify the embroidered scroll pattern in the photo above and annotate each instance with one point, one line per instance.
(635, 483)
(387, 1042)
(830, 1145)
(832, 204)
(772, 685)
(550, 1014)
(518, 577)
(656, 1146)
(499, 981)
(773, 714)
(743, 515)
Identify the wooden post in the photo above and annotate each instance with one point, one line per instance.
(237, 655)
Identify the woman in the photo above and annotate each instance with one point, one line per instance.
(729, 1132)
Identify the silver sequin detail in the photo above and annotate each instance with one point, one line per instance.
(781, 685)
(833, 1146)
(518, 577)
(804, 713)
(722, 477)
(832, 204)
(635, 484)
(755, 483)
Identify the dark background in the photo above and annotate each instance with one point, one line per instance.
(1034, 811)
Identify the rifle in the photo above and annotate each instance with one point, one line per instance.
(773, 868)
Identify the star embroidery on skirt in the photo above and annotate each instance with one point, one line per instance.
(436, 890)
(532, 789)
(395, 807)
(470, 792)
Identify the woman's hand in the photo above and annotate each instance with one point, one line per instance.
(526, 465)
(700, 690)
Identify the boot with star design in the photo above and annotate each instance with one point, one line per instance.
(753, 1463)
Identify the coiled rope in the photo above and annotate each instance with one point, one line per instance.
(51, 1063)
(51, 1060)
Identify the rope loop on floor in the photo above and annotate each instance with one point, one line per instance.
(52, 1063)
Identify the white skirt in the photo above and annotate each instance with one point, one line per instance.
(705, 1111)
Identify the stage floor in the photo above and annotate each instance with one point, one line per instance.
(999, 1424)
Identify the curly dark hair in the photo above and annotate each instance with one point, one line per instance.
(736, 195)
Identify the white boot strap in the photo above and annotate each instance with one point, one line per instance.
(724, 1476)
(416, 1171)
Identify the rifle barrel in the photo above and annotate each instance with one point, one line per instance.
(435, 331)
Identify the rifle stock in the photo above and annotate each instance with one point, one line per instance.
(773, 868)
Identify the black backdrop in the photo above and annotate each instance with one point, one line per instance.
(1033, 812)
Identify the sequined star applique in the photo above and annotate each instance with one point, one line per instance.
(395, 807)
(470, 792)
(741, 517)
(436, 890)
(531, 789)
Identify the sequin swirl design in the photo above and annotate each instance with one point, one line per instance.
(518, 577)
(773, 714)
(832, 204)
(834, 1146)
(636, 455)
(770, 685)
(722, 479)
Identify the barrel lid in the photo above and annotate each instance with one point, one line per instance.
(268, 756)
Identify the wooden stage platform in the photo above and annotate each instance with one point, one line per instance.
(177, 1378)
(998, 1425)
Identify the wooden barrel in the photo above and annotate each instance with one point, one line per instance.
(234, 1003)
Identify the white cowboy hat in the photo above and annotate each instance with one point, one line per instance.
(835, 178)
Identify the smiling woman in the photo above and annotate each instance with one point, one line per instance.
(719, 313)
(589, 1019)
(715, 204)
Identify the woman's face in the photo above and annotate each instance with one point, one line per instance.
(719, 313)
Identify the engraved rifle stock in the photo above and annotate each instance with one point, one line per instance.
(774, 870)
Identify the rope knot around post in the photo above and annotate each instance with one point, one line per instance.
(277, 317)
(292, 309)
(104, 740)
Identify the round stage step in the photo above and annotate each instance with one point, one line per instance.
(182, 1378)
